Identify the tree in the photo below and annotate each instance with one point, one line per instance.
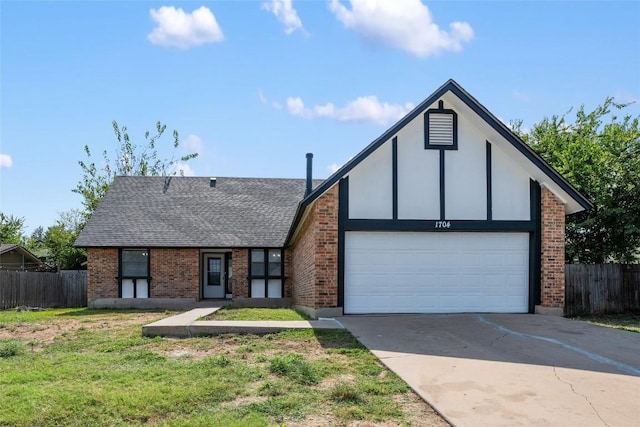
(602, 160)
(59, 239)
(11, 229)
(130, 159)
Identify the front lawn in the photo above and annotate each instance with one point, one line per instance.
(93, 367)
(628, 321)
(236, 313)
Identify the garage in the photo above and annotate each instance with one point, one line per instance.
(436, 272)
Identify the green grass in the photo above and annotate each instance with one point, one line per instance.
(102, 372)
(236, 313)
(628, 321)
(23, 316)
(10, 348)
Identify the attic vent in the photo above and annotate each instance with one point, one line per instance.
(441, 129)
(212, 182)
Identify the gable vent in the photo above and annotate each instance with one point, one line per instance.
(440, 129)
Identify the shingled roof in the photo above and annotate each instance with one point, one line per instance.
(188, 212)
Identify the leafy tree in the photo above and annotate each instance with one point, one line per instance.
(35, 242)
(11, 229)
(130, 159)
(59, 238)
(599, 154)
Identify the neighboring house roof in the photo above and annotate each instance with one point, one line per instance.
(579, 202)
(188, 212)
(28, 261)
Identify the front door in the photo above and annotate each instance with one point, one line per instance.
(213, 285)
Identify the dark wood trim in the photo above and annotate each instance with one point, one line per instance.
(343, 217)
(119, 278)
(432, 225)
(489, 184)
(227, 265)
(249, 273)
(535, 245)
(442, 186)
(394, 159)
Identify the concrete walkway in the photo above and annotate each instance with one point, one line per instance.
(187, 325)
(511, 370)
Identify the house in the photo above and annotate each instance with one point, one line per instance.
(447, 211)
(16, 258)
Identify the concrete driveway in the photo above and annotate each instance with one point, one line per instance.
(511, 369)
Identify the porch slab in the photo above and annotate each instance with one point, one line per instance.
(187, 325)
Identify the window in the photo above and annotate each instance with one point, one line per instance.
(135, 263)
(266, 273)
(214, 270)
(441, 129)
(134, 273)
(257, 263)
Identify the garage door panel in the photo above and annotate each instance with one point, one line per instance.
(391, 272)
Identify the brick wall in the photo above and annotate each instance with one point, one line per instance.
(326, 252)
(175, 273)
(240, 268)
(102, 273)
(552, 262)
(303, 263)
(315, 255)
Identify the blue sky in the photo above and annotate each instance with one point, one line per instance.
(254, 85)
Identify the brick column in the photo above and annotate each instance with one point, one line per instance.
(240, 266)
(552, 262)
(326, 249)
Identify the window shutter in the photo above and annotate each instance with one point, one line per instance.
(440, 129)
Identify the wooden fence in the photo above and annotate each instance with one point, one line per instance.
(64, 289)
(601, 288)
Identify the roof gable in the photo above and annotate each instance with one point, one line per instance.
(29, 257)
(491, 121)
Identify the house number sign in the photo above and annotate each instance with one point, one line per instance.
(443, 224)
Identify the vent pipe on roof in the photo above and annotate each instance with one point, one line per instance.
(309, 174)
(212, 182)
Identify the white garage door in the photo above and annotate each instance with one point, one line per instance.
(407, 272)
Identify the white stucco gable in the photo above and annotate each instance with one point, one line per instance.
(485, 176)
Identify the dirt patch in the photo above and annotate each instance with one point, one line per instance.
(39, 335)
(418, 412)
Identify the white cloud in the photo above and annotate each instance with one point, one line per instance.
(176, 28)
(263, 99)
(286, 14)
(5, 161)
(363, 109)
(276, 105)
(192, 144)
(182, 169)
(296, 107)
(332, 168)
(403, 24)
